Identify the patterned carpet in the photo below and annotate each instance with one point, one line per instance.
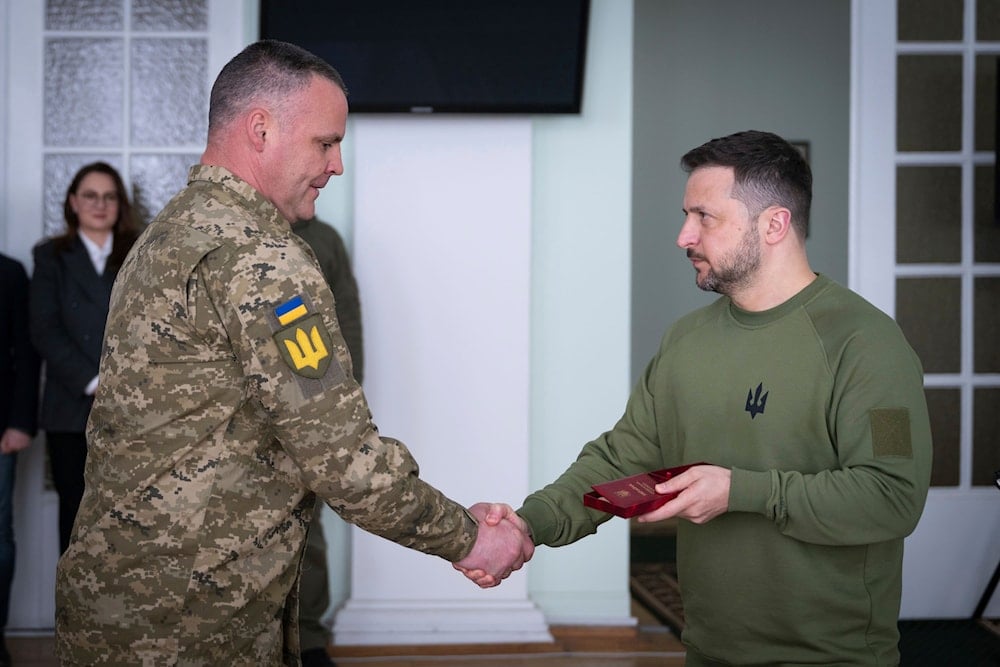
(923, 643)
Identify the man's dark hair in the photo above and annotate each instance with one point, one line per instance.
(768, 171)
(268, 70)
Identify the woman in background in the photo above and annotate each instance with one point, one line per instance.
(70, 292)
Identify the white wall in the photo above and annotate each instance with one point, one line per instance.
(4, 21)
(580, 315)
(579, 318)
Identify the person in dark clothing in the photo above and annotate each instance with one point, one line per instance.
(70, 292)
(314, 597)
(19, 366)
(335, 263)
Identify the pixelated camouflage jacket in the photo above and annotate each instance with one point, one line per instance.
(223, 406)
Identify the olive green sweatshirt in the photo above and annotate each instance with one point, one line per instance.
(817, 406)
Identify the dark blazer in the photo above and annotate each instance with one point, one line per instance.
(19, 364)
(69, 308)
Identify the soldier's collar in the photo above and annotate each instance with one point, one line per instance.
(253, 200)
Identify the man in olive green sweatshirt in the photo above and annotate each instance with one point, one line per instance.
(807, 404)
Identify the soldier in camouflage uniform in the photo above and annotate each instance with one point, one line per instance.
(226, 404)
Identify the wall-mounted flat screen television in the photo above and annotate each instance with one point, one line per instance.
(451, 56)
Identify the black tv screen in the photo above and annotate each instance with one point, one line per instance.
(455, 56)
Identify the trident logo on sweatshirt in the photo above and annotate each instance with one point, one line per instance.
(756, 402)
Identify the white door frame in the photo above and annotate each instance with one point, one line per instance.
(953, 552)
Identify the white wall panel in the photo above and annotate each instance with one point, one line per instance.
(442, 251)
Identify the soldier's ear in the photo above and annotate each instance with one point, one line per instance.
(257, 123)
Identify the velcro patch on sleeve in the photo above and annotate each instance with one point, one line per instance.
(306, 346)
(891, 432)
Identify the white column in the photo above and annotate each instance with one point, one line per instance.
(442, 246)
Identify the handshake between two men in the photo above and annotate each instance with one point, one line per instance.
(505, 541)
(503, 545)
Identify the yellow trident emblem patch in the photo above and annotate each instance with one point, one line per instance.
(306, 350)
(305, 346)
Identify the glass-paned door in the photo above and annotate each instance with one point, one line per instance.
(123, 81)
(925, 247)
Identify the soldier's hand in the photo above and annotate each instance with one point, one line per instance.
(502, 546)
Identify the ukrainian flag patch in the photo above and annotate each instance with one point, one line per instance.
(305, 344)
(290, 311)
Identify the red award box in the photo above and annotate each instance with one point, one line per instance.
(633, 495)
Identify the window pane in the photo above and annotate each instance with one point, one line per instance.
(84, 14)
(929, 103)
(987, 218)
(169, 91)
(986, 102)
(156, 179)
(985, 435)
(988, 20)
(928, 214)
(84, 91)
(928, 311)
(930, 20)
(986, 314)
(169, 15)
(944, 406)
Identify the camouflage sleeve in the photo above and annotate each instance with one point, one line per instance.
(278, 312)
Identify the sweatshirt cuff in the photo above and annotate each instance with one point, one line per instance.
(540, 519)
(749, 491)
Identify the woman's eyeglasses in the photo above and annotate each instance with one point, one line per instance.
(92, 199)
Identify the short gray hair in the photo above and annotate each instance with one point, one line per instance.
(265, 71)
